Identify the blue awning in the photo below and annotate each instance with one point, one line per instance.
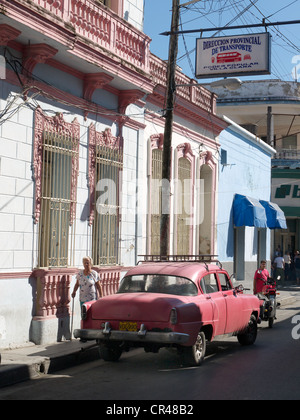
(248, 211)
(275, 216)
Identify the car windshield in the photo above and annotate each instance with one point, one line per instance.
(149, 283)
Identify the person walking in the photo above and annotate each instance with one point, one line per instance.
(297, 267)
(88, 281)
(278, 266)
(287, 265)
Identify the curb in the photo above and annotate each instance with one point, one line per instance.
(11, 374)
(284, 301)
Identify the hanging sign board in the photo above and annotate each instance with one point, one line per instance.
(239, 55)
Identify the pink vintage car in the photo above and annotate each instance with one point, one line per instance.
(176, 303)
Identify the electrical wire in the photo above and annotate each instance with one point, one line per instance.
(244, 11)
(90, 107)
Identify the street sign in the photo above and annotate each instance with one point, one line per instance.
(237, 55)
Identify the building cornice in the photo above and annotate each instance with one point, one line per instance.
(249, 136)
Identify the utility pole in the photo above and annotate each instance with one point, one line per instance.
(167, 145)
(270, 127)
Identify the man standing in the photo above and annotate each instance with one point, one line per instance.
(260, 278)
(278, 266)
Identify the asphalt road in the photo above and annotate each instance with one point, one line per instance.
(270, 369)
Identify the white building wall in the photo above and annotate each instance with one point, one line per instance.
(247, 172)
(16, 194)
(19, 234)
(134, 13)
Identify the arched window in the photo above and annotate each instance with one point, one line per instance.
(184, 211)
(154, 193)
(206, 202)
(105, 166)
(56, 146)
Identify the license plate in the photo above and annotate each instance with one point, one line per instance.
(128, 326)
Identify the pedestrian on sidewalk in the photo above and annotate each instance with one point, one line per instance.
(287, 265)
(88, 281)
(297, 266)
(278, 267)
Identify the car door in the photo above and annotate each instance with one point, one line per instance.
(234, 304)
(210, 287)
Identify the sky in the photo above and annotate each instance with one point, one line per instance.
(285, 50)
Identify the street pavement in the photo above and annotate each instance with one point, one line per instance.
(31, 361)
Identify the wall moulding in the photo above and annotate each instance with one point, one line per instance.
(7, 34)
(35, 54)
(94, 81)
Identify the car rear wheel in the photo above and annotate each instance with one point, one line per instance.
(110, 353)
(194, 355)
(248, 337)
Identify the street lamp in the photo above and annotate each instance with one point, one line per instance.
(232, 83)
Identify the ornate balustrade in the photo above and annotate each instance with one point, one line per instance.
(89, 19)
(97, 23)
(110, 279)
(186, 88)
(53, 295)
(53, 292)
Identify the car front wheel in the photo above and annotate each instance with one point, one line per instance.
(248, 337)
(194, 355)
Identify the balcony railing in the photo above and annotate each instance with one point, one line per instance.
(95, 22)
(186, 87)
(91, 20)
(293, 154)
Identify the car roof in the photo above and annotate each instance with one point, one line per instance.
(190, 270)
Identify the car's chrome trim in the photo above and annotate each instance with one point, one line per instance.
(142, 336)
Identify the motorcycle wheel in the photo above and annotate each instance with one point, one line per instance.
(272, 319)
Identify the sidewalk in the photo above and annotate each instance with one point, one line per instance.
(32, 361)
(21, 364)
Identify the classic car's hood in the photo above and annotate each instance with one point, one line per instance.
(153, 307)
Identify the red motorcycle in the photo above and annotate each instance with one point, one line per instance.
(268, 302)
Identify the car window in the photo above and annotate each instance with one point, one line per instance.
(224, 281)
(209, 283)
(150, 283)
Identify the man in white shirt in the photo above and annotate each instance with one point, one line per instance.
(278, 266)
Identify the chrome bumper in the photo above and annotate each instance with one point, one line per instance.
(142, 336)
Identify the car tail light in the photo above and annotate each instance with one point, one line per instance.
(83, 312)
(173, 316)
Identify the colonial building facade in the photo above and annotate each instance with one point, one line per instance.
(270, 110)
(81, 132)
